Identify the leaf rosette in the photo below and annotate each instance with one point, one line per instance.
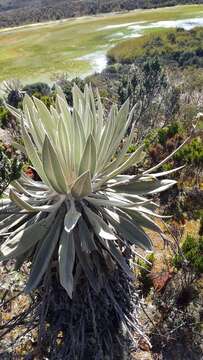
(85, 205)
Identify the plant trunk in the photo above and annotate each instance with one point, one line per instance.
(90, 326)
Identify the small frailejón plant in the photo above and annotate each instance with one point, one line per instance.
(83, 204)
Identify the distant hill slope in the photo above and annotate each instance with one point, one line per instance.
(17, 12)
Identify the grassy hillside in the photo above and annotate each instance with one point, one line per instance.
(177, 46)
(17, 12)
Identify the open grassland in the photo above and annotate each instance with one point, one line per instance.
(36, 52)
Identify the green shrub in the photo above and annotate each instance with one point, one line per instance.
(192, 250)
(10, 167)
(191, 153)
(48, 100)
(42, 88)
(4, 117)
(168, 132)
(132, 148)
(167, 167)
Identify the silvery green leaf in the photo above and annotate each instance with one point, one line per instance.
(78, 139)
(65, 114)
(32, 154)
(145, 187)
(143, 220)
(23, 204)
(86, 236)
(108, 202)
(122, 153)
(36, 128)
(60, 92)
(142, 209)
(33, 184)
(88, 160)
(23, 240)
(100, 117)
(107, 137)
(86, 265)
(108, 168)
(71, 218)
(99, 226)
(66, 258)
(121, 130)
(122, 117)
(117, 255)
(44, 254)
(164, 173)
(63, 150)
(78, 99)
(149, 171)
(92, 102)
(15, 112)
(82, 186)
(129, 231)
(53, 168)
(132, 160)
(88, 123)
(29, 193)
(12, 222)
(46, 118)
(8, 219)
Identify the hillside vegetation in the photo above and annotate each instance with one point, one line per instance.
(17, 12)
(178, 46)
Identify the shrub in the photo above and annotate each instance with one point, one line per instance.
(192, 153)
(4, 117)
(47, 100)
(10, 167)
(192, 250)
(168, 132)
(41, 88)
(67, 85)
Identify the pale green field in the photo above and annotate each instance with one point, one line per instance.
(36, 52)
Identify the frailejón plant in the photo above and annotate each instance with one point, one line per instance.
(84, 210)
